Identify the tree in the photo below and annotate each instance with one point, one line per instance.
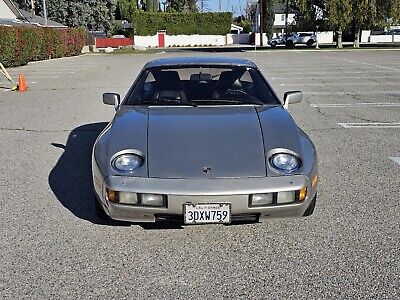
(394, 11)
(251, 10)
(152, 5)
(310, 14)
(372, 13)
(268, 17)
(92, 14)
(364, 14)
(24, 4)
(189, 6)
(176, 5)
(125, 8)
(340, 16)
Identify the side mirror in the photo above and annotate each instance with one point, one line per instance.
(112, 99)
(292, 97)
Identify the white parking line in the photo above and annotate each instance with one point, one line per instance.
(393, 78)
(362, 104)
(396, 160)
(41, 72)
(277, 73)
(364, 63)
(370, 125)
(397, 93)
(343, 84)
(36, 76)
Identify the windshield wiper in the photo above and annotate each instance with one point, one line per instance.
(234, 101)
(162, 101)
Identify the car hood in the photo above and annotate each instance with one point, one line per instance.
(205, 142)
(199, 142)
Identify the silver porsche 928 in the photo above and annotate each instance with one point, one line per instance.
(203, 140)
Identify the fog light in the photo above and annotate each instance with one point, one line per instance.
(261, 199)
(127, 198)
(286, 197)
(151, 199)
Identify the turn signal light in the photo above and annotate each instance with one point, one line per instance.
(302, 194)
(314, 181)
(112, 196)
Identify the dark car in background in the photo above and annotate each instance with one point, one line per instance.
(293, 39)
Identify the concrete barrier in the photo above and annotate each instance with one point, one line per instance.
(384, 38)
(181, 40)
(365, 34)
(194, 40)
(325, 37)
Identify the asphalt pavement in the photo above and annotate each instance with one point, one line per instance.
(54, 247)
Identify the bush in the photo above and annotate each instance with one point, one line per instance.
(146, 23)
(20, 45)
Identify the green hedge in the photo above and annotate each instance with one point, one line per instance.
(181, 23)
(20, 45)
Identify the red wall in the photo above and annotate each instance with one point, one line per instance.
(113, 42)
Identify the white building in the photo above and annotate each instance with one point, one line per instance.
(280, 19)
(11, 15)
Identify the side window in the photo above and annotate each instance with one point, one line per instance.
(149, 84)
(246, 78)
(144, 89)
(259, 88)
(247, 83)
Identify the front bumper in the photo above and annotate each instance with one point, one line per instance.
(222, 190)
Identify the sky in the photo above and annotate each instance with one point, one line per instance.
(238, 5)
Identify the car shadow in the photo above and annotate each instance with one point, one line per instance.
(71, 178)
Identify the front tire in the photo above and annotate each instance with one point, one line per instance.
(310, 43)
(311, 207)
(273, 44)
(289, 44)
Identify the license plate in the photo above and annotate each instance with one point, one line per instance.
(207, 213)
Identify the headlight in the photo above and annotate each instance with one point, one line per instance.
(285, 162)
(127, 162)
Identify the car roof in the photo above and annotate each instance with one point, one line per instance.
(199, 60)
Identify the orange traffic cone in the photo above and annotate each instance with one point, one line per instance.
(22, 87)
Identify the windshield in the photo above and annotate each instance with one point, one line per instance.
(202, 85)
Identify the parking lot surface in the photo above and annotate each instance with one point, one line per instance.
(54, 247)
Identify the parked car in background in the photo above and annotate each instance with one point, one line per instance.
(393, 32)
(293, 39)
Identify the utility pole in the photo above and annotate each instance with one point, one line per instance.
(286, 18)
(260, 3)
(45, 13)
(220, 5)
(33, 8)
